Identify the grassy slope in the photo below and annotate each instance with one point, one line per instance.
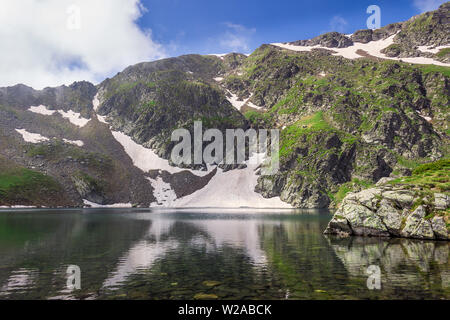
(22, 186)
(427, 180)
(311, 94)
(430, 177)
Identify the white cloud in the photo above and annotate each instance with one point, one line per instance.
(47, 43)
(339, 24)
(428, 5)
(236, 38)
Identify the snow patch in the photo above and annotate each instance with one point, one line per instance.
(373, 48)
(232, 189)
(116, 205)
(96, 102)
(234, 100)
(102, 119)
(254, 106)
(431, 49)
(74, 142)
(238, 104)
(163, 192)
(41, 110)
(32, 137)
(221, 55)
(18, 207)
(146, 159)
(74, 117)
(429, 119)
(143, 158)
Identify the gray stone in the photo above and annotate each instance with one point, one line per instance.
(417, 226)
(384, 181)
(439, 228)
(441, 201)
(363, 221)
(392, 218)
(402, 197)
(338, 225)
(369, 198)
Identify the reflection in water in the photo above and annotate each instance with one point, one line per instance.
(238, 255)
(20, 280)
(143, 254)
(234, 233)
(418, 263)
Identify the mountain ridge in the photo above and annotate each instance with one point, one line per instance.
(345, 123)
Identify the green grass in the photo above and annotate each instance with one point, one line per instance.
(24, 184)
(57, 151)
(409, 163)
(432, 177)
(290, 135)
(149, 105)
(257, 118)
(431, 68)
(96, 184)
(443, 52)
(344, 189)
(342, 192)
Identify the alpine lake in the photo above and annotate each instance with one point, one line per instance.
(238, 254)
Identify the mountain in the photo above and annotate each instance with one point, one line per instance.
(351, 109)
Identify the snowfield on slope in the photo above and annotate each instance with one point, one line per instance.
(74, 142)
(232, 189)
(146, 159)
(238, 104)
(74, 117)
(163, 192)
(373, 48)
(41, 110)
(32, 137)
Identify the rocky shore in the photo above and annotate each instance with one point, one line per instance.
(393, 211)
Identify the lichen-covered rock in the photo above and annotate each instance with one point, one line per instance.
(439, 228)
(391, 217)
(387, 211)
(417, 226)
(441, 201)
(363, 221)
(363, 36)
(367, 198)
(401, 197)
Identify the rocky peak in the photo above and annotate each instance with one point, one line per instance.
(328, 40)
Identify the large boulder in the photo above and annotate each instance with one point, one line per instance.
(392, 212)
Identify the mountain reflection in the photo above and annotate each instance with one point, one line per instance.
(229, 255)
(420, 264)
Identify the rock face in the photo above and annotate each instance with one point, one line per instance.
(329, 40)
(170, 94)
(387, 211)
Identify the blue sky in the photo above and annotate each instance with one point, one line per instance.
(54, 42)
(212, 26)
